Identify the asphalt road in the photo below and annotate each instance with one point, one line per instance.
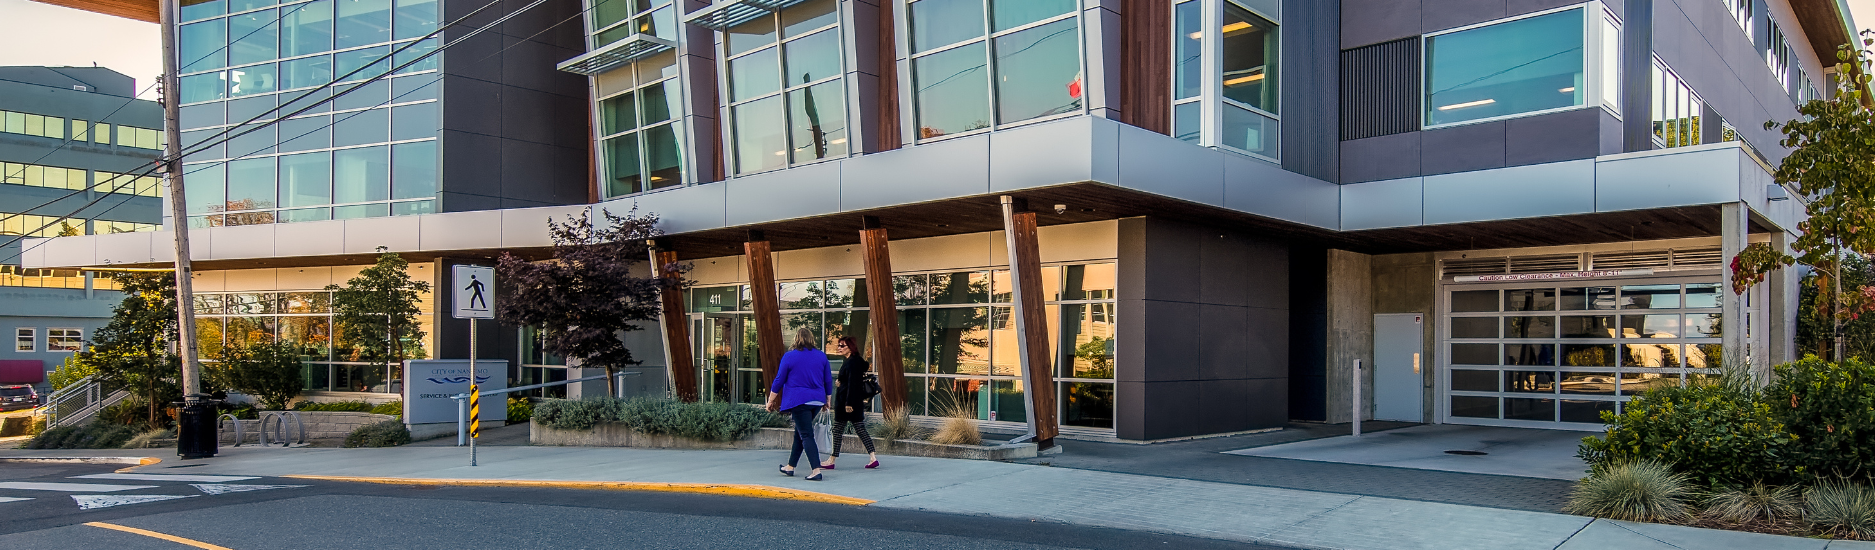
(318, 514)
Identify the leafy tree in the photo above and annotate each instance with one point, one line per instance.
(269, 371)
(376, 312)
(588, 295)
(132, 352)
(1832, 165)
(70, 372)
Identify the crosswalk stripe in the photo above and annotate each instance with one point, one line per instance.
(93, 502)
(13, 499)
(167, 477)
(70, 487)
(225, 488)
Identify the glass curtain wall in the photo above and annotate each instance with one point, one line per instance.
(371, 152)
(1569, 353)
(638, 132)
(982, 63)
(1521, 66)
(539, 367)
(1677, 110)
(957, 338)
(1226, 62)
(787, 100)
(612, 20)
(227, 320)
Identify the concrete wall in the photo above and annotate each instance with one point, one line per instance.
(1204, 330)
(1408, 283)
(1350, 330)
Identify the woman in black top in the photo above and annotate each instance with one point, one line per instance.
(850, 400)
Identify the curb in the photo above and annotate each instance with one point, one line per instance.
(133, 461)
(726, 489)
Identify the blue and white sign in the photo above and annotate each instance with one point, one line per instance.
(429, 385)
(474, 289)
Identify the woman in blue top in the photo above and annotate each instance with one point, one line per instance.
(803, 386)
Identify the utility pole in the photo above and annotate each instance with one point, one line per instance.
(196, 437)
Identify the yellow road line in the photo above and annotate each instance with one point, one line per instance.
(145, 461)
(154, 534)
(728, 489)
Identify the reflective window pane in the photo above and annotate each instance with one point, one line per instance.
(1589, 326)
(1543, 410)
(415, 18)
(1038, 72)
(754, 75)
(361, 127)
(305, 72)
(206, 187)
(942, 22)
(361, 96)
(362, 22)
(1530, 381)
(1529, 327)
(616, 114)
(1474, 380)
(251, 184)
(1577, 299)
(1588, 355)
(1650, 326)
(1251, 132)
(200, 46)
(913, 339)
(306, 28)
(812, 58)
(194, 116)
(1519, 66)
(1188, 121)
(204, 87)
(1538, 299)
(413, 170)
(807, 16)
(306, 179)
(1702, 295)
(951, 90)
(1087, 404)
(1650, 297)
(1250, 54)
(663, 156)
(1585, 411)
(1588, 383)
(658, 105)
(415, 121)
(416, 88)
(1474, 354)
(1188, 67)
(301, 134)
(960, 340)
(360, 175)
(760, 134)
(197, 9)
(817, 120)
(1473, 407)
(368, 62)
(1529, 354)
(751, 35)
(255, 37)
(1474, 327)
(622, 171)
(1651, 355)
(1009, 14)
(250, 80)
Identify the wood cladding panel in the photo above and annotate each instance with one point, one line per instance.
(887, 359)
(767, 306)
(676, 328)
(1040, 382)
(140, 10)
(1146, 64)
(890, 136)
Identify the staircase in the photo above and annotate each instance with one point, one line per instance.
(77, 403)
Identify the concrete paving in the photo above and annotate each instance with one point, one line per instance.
(1521, 452)
(1267, 515)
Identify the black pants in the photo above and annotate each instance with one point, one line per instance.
(839, 435)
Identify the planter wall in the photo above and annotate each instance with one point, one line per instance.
(620, 435)
(319, 425)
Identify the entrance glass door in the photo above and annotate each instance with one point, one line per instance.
(727, 365)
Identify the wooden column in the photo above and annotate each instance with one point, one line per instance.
(1025, 264)
(1146, 64)
(767, 305)
(887, 359)
(676, 327)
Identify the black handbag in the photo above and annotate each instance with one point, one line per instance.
(869, 385)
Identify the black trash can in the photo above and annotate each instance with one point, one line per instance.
(196, 435)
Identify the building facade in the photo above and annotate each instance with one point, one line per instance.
(73, 140)
(1510, 212)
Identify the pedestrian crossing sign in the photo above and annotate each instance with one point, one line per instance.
(474, 289)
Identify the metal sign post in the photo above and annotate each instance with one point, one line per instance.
(474, 289)
(1357, 398)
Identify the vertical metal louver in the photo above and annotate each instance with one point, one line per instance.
(1631, 260)
(1546, 264)
(1380, 89)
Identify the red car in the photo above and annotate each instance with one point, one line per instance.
(18, 397)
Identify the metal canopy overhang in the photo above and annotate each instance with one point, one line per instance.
(616, 54)
(729, 13)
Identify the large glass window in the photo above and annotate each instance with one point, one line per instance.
(1677, 110)
(1526, 65)
(1226, 87)
(787, 97)
(639, 139)
(979, 63)
(303, 319)
(612, 20)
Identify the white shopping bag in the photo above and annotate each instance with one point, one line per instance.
(823, 433)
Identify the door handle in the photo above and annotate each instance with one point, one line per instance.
(1415, 363)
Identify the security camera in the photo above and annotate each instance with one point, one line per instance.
(1061, 209)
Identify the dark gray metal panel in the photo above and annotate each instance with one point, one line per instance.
(473, 164)
(464, 202)
(1513, 8)
(1568, 135)
(1381, 158)
(1380, 89)
(1223, 341)
(1637, 62)
(1222, 264)
(1312, 32)
(1439, 15)
(1462, 148)
(1366, 22)
(529, 173)
(1171, 342)
(1268, 341)
(1172, 409)
(471, 105)
(1129, 413)
(1612, 128)
(1172, 260)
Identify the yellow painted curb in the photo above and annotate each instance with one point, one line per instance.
(728, 489)
(145, 461)
(135, 461)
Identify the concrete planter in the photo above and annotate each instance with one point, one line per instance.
(327, 425)
(620, 435)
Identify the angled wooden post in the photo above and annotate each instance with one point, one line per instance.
(1025, 268)
(676, 326)
(767, 305)
(888, 360)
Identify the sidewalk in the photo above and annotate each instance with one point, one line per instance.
(1269, 515)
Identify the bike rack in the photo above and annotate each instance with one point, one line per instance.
(279, 429)
(238, 436)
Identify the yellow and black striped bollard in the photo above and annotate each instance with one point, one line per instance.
(475, 416)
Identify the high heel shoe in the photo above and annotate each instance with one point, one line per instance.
(785, 471)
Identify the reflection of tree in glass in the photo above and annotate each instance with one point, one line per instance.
(1588, 357)
(957, 331)
(1097, 354)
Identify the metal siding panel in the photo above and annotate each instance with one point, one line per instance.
(1159, 164)
(1042, 154)
(1380, 89)
(927, 172)
(1671, 179)
(1261, 188)
(1380, 158)
(1311, 31)
(796, 192)
(1511, 193)
(323, 238)
(1380, 204)
(680, 210)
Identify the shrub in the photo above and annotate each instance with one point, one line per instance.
(335, 406)
(960, 425)
(1841, 508)
(1756, 501)
(705, 421)
(148, 439)
(896, 424)
(389, 433)
(520, 409)
(1720, 435)
(98, 434)
(1634, 491)
(1830, 409)
(268, 371)
(70, 371)
(391, 408)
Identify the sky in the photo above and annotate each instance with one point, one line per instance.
(56, 36)
(44, 34)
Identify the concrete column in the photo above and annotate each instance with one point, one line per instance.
(1350, 332)
(1781, 310)
(1735, 224)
